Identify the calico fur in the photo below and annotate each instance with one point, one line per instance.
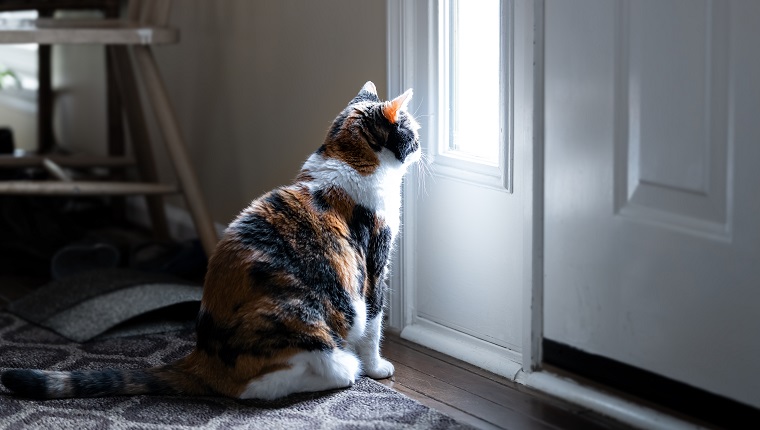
(293, 295)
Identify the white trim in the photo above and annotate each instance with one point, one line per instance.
(409, 32)
(413, 53)
(457, 166)
(413, 56)
(395, 64)
(405, 70)
(488, 356)
(529, 113)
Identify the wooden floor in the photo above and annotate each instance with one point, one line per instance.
(477, 397)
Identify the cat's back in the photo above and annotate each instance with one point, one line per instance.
(290, 241)
(293, 220)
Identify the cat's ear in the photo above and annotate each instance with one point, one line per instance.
(367, 93)
(392, 108)
(370, 88)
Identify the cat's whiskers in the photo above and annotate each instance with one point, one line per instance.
(424, 171)
(414, 114)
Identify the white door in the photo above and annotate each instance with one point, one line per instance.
(462, 265)
(652, 202)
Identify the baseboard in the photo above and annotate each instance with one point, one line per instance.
(601, 402)
(651, 387)
(485, 355)
(181, 226)
(568, 388)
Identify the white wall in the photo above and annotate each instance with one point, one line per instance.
(255, 85)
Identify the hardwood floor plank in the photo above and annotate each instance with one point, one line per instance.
(467, 372)
(452, 374)
(492, 388)
(451, 411)
(396, 338)
(480, 407)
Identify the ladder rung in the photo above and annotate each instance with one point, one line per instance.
(66, 160)
(98, 32)
(84, 188)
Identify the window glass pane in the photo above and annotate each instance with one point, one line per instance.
(18, 63)
(475, 92)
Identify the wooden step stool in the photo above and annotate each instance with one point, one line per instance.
(144, 25)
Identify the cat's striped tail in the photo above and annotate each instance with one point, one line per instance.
(45, 384)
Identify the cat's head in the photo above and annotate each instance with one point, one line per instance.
(371, 132)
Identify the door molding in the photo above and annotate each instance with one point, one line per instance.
(403, 42)
(530, 114)
(698, 203)
(413, 51)
(408, 34)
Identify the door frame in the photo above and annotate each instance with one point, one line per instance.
(408, 33)
(411, 29)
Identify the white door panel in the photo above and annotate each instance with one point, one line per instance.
(671, 79)
(462, 265)
(466, 265)
(652, 140)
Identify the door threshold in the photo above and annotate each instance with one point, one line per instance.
(584, 395)
(603, 401)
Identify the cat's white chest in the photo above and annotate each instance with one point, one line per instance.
(390, 211)
(379, 192)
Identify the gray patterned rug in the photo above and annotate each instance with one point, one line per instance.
(89, 304)
(367, 405)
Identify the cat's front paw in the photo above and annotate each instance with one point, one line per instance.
(381, 370)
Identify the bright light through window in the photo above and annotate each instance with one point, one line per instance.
(474, 80)
(18, 63)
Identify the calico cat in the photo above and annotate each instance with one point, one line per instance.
(293, 295)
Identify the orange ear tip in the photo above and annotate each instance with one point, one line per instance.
(390, 111)
(392, 108)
